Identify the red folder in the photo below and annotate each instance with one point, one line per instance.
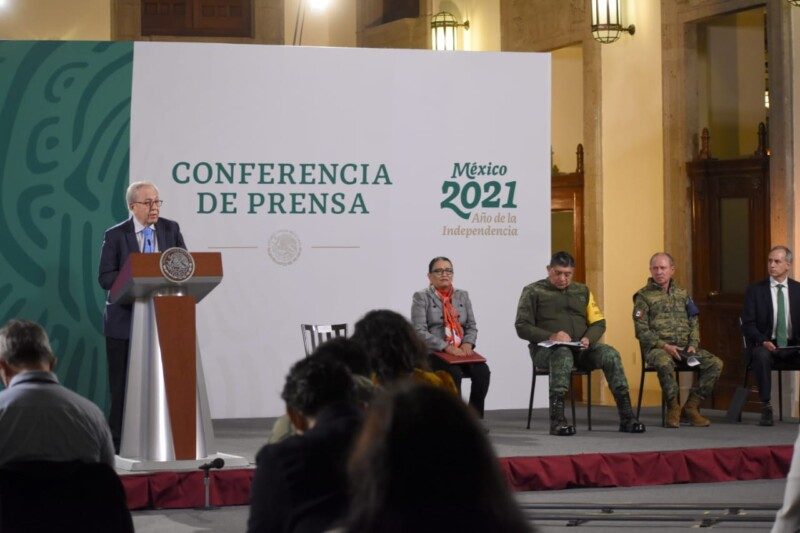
(460, 359)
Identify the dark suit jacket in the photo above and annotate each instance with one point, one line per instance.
(300, 484)
(757, 313)
(118, 243)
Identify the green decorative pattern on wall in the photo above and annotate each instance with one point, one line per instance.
(64, 150)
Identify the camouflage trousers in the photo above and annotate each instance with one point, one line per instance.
(560, 360)
(710, 369)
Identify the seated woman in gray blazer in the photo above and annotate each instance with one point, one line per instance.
(443, 317)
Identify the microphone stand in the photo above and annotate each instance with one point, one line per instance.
(206, 468)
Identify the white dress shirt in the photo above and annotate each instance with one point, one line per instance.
(139, 228)
(773, 289)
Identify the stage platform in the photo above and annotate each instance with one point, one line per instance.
(533, 459)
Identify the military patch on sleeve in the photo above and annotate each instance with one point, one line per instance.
(593, 313)
(638, 314)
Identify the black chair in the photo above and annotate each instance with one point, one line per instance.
(679, 367)
(777, 365)
(316, 334)
(575, 372)
(46, 496)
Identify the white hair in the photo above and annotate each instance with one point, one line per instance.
(133, 190)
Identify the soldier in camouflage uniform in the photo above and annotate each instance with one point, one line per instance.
(667, 327)
(556, 309)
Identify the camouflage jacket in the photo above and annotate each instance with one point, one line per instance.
(544, 309)
(665, 317)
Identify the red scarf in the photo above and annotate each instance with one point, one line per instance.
(453, 332)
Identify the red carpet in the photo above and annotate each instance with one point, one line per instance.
(175, 490)
(647, 468)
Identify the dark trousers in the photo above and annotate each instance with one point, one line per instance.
(479, 374)
(117, 354)
(762, 362)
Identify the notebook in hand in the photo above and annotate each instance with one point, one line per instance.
(460, 359)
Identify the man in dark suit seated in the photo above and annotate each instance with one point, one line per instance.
(300, 483)
(144, 232)
(770, 323)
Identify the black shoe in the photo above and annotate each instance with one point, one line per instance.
(631, 426)
(562, 430)
(766, 416)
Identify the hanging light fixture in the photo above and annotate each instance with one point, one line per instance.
(606, 25)
(443, 31)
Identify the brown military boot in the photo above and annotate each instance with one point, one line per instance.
(673, 413)
(691, 411)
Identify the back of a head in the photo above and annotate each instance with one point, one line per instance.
(315, 382)
(422, 463)
(24, 344)
(393, 347)
(347, 352)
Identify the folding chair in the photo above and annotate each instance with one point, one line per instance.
(316, 334)
(575, 372)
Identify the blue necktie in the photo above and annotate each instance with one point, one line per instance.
(147, 244)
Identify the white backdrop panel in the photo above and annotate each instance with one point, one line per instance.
(408, 117)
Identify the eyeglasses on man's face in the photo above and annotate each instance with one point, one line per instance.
(151, 203)
(442, 271)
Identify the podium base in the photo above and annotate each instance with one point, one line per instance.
(144, 465)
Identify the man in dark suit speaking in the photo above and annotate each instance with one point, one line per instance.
(770, 323)
(144, 232)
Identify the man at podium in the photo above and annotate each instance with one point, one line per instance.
(144, 232)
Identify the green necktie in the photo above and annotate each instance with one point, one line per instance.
(780, 330)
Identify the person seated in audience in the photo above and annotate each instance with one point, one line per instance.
(354, 358)
(41, 420)
(423, 464)
(666, 323)
(395, 351)
(442, 315)
(300, 483)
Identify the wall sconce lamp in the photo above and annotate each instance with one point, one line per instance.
(443, 31)
(606, 25)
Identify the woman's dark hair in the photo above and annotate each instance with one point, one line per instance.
(433, 262)
(393, 347)
(423, 463)
(316, 382)
(344, 350)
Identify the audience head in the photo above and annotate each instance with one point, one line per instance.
(313, 384)
(561, 269)
(393, 347)
(353, 356)
(24, 346)
(423, 463)
(344, 350)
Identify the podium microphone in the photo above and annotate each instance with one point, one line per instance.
(219, 462)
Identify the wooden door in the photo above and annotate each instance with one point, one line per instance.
(730, 243)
